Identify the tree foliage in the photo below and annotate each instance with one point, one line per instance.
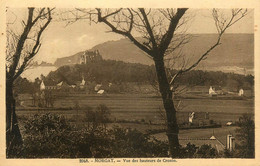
(120, 72)
(245, 134)
(50, 135)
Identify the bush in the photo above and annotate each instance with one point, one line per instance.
(98, 117)
(206, 151)
(188, 151)
(132, 143)
(50, 136)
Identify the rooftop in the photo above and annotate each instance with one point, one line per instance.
(213, 141)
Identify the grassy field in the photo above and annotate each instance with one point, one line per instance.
(146, 107)
(137, 111)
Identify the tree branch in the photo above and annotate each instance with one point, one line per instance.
(167, 37)
(221, 30)
(36, 47)
(21, 41)
(127, 34)
(148, 27)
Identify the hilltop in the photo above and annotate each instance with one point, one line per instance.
(235, 54)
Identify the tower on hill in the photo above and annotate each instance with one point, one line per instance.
(90, 56)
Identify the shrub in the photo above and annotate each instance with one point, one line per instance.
(132, 143)
(206, 151)
(50, 136)
(246, 136)
(98, 117)
(188, 151)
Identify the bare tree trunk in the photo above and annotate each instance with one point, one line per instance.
(13, 135)
(172, 126)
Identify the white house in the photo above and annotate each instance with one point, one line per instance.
(212, 91)
(48, 86)
(191, 116)
(241, 92)
(97, 87)
(60, 84)
(42, 86)
(83, 82)
(100, 92)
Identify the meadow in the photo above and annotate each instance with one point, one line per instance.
(145, 108)
(145, 112)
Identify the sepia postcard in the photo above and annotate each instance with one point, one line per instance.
(129, 83)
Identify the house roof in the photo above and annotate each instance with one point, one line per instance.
(63, 83)
(216, 87)
(49, 83)
(213, 141)
(97, 87)
(59, 84)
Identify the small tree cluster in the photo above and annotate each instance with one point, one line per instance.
(98, 117)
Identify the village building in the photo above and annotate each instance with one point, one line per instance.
(90, 56)
(241, 92)
(64, 86)
(48, 85)
(214, 91)
(212, 141)
(82, 84)
(211, 91)
(98, 87)
(199, 119)
(101, 92)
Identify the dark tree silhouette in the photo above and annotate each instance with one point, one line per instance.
(21, 48)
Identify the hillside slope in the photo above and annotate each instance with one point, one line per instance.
(235, 53)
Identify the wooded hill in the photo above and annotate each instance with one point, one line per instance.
(121, 72)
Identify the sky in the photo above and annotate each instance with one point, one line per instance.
(59, 40)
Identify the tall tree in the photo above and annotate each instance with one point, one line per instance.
(160, 32)
(21, 48)
(246, 137)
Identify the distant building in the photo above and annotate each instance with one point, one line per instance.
(191, 116)
(199, 118)
(51, 85)
(42, 86)
(101, 92)
(97, 87)
(90, 56)
(63, 85)
(229, 123)
(214, 91)
(47, 86)
(212, 141)
(211, 90)
(79, 58)
(241, 92)
(82, 84)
